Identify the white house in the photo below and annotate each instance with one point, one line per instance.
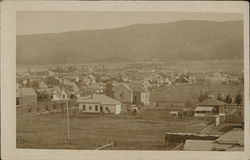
(99, 104)
(59, 95)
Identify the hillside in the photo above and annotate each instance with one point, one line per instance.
(195, 40)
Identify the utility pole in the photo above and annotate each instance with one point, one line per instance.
(68, 119)
(20, 99)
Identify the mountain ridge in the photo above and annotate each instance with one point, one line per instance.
(198, 40)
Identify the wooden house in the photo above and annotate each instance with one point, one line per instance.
(131, 93)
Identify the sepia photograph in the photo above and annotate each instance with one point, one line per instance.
(130, 81)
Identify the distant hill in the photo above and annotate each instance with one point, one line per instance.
(181, 40)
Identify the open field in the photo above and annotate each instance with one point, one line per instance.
(90, 131)
(167, 95)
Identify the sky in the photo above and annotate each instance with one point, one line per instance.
(36, 22)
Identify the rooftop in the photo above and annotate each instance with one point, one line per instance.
(23, 92)
(235, 136)
(134, 87)
(98, 98)
(211, 102)
(198, 145)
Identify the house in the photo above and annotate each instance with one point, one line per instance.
(210, 107)
(26, 97)
(99, 103)
(131, 93)
(58, 95)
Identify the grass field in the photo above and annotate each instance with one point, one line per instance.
(90, 131)
(180, 93)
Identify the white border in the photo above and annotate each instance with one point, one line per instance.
(8, 72)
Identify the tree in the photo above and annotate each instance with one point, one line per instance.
(52, 81)
(219, 97)
(229, 99)
(189, 104)
(34, 84)
(203, 96)
(28, 83)
(239, 99)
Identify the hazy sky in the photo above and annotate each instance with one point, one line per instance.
(33, 22)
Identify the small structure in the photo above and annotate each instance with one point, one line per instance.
(209, 107)
(26, 97)
(131, 93)
(99, 104)
(174, 114)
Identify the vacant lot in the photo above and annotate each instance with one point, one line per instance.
(90, 131)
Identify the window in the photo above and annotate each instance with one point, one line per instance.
(135, 98)
(90, 107)
(63, 96)
(107, 108)
(96, 107)
(83, 107)
(122, 95)
(17, 101)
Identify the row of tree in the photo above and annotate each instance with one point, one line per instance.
(228, 99)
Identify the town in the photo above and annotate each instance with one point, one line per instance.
(179, 108)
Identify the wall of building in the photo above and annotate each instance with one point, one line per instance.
(89, 107)
(145, 98)
(127, 96)
(136, 98)
(27, 101)
(107, 108)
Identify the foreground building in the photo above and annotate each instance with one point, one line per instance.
(231, 141)
(99, 104)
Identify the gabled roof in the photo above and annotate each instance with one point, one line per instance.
(211, 102)
(208, 109)
(23, 92)
(98, 98)
(133, 87)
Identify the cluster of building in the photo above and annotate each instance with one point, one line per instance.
(129, 85)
